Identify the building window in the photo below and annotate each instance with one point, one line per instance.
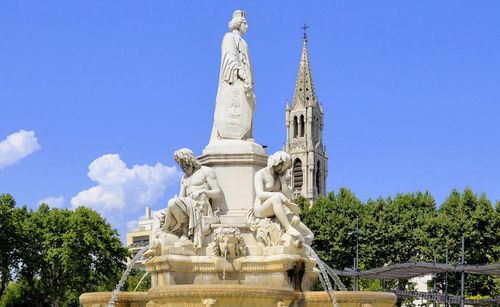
(295, 126)
(140, 241)
(302, 124)
(298, 177)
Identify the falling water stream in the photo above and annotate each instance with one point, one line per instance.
(327, 271)
(130, 266)
(324, 277)
(140, 281)
(334, 276)
(224, 267)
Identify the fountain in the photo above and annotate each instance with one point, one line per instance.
(233, 236)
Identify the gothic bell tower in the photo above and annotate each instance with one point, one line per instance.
(304, 140)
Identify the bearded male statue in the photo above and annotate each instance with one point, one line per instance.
(184, 215)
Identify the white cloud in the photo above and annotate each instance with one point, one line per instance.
(17, 146)
(53, 201)
(132, 225)
(120, 188)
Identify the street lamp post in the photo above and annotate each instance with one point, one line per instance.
(356, 260)
(446, 283)
(462, 279)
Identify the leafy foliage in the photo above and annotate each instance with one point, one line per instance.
(473, 217)
(9, 238)
(60, 254)
(331, 219)
(48, 257)
(134, 278)
(406, 228)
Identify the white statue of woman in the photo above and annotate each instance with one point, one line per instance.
(273, 196)
(235, 102)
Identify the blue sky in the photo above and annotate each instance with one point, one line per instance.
(410, 89)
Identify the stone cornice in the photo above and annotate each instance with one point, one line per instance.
(231, 159)
(176, 291)
(104, 297)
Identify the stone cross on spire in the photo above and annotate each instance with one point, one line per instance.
(304, 28)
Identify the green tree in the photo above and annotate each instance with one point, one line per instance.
(21, 294)
(394, 229)
(331, 219)
(135, 277)
(473, 217)
(64, 253)
(9, 238)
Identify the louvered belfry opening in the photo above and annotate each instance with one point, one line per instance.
(295, 127)
(298, 177)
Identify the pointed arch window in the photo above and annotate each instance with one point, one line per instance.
(317, 129)
(295, 126)
(302, 124)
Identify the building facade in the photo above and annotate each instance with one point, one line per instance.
(141, 236)
(304, 140)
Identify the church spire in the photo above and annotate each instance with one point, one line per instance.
(304, 124)
(304, 87)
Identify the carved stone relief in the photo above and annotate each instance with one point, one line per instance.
(228, 242)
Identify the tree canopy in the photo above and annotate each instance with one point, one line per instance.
(48, 257)
(406, 228)
(54, 255)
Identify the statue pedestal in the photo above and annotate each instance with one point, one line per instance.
(235, 163)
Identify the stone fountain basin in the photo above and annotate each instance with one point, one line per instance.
(236, 295)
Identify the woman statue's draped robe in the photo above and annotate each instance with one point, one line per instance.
(235, 102)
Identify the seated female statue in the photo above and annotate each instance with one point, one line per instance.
(273, 195)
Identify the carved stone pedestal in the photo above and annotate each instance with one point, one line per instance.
(235, 163)
(293, 272)
(219, 295)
